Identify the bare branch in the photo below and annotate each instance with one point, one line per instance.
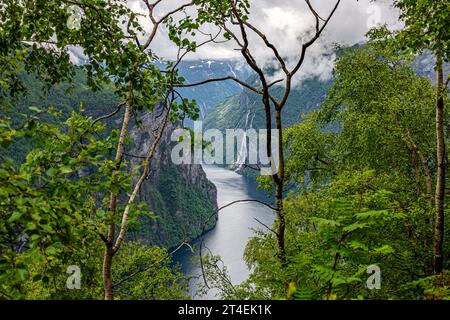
(103, 237)
(134, 156)
(156, 23)
(270, 45)
(268, 228)
(116, 111)
(6, 295)
(274, 83)
(303, 55)
(112, 114)
(316, 15)
(181, 8)
(257, 168)
(242, 83)
(212, 39)
(313, 40)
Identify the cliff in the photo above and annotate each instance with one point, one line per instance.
(245, 111)
(181, 196)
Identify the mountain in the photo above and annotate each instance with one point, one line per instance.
(180, 196)
(210, 94)
(58, 98)
(244, 110)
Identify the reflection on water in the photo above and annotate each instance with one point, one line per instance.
(235, 226)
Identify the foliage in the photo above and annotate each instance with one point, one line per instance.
(54, 203)
(360, 173)
(426, 26)
(44, 218)
(181, 207)
(152, 276)
(51, 216)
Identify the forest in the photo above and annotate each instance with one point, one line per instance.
(93, 207)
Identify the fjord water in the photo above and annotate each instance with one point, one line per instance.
(235, 226)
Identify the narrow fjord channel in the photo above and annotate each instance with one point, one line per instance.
(235, 226)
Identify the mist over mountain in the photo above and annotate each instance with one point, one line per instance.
(209, 95)
(305, 98)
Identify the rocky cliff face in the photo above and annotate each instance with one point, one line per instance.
(181, 196)
(245, 111)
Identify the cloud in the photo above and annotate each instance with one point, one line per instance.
(287, 24)
(76, 55)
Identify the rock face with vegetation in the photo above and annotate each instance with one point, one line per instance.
(245, 111)
(181, 196)
(229, 114)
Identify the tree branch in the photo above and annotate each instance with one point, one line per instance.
(169, 254)
(156, 23)
(140, 181)
(264, 225)
(242, 83)
(269, 45)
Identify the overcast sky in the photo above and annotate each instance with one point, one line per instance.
(286, 23)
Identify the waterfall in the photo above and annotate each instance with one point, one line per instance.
(243, 152)
(234, 74)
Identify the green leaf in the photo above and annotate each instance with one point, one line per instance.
(325, 222)
(65, 169)
(36, 109)
(51, 251)
(358, 245)
(291, 289)
(386, 249)
(15, 216)
(22, 274)
(355, 226)
(372, 214)
(47, 228)
(52, 172)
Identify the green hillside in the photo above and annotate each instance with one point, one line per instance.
(179, 206)
(229, 113)
(60, 98)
